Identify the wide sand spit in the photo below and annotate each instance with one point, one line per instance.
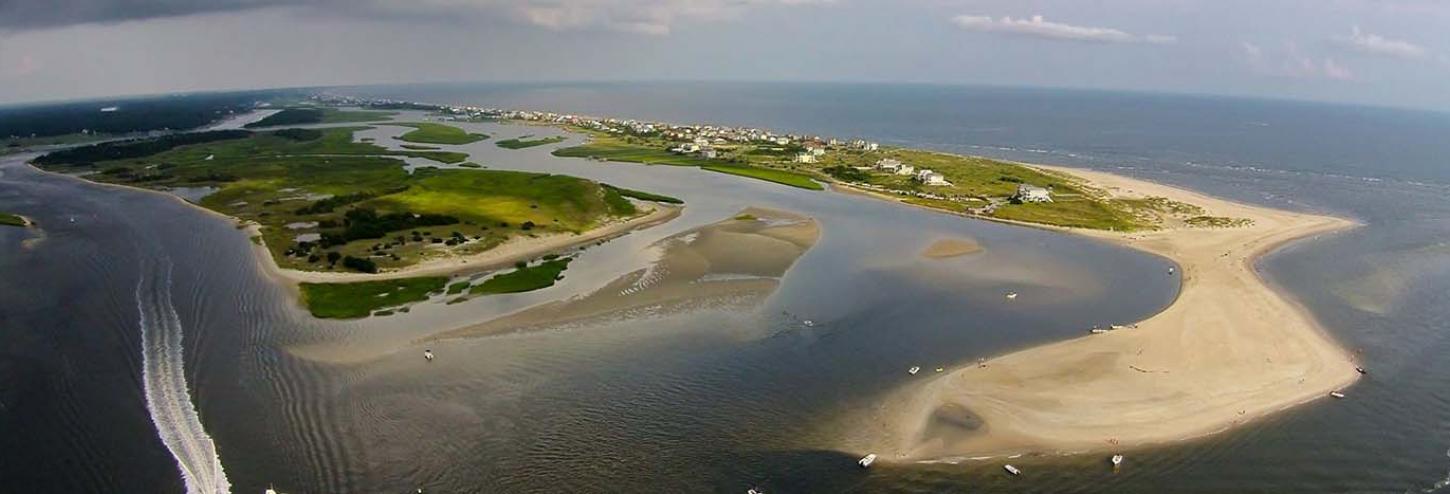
(1229, 350)
(735, 262)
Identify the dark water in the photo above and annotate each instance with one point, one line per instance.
(716, 401)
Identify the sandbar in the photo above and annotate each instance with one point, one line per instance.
(1231, 349)
(734, 262)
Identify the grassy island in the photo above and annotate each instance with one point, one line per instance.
(434, 133)
(324, 202)
(7, 219)
(525, 278)
(522, 143)
(361, 299)
(303, 116)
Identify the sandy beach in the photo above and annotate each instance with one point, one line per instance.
(1230, 350)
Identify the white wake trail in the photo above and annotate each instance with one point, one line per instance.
(167, 396)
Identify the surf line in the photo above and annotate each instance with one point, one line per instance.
(167, 397)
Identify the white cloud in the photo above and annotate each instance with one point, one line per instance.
(1038, 27)
(1290, 62)
(1374, 44)
(655, 17)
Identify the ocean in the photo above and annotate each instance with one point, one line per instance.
(142, 290)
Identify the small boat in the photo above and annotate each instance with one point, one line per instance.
(1117, 460)
(270, 490)
(1117, 327)
(1097, 330)
(428, 355)
(867, 460)
(939, 369)
(1012, 470)
(755, 490)
(1336, 394)
(913, 370)
(1170, 270)
(809, 323)
(1011, 295)
(1360, 370)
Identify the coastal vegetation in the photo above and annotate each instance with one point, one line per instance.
(434, 133)
(521, 143)
(524, 278)
(331, 204)
(305, 116)
(361, 299)
(7, 219)
(645, 196)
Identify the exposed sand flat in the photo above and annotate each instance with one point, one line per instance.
(733, 262)
(505, 254)
(951, 247)
(1231, 349)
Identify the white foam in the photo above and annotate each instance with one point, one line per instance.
(167, 396)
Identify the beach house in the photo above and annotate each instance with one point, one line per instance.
(928, 177)
(888, 165)
(1032, 193)
(805, 158)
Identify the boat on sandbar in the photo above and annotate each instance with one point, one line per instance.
(1117, 460)
(1011, 469)
(867, 460)
(1336, 394)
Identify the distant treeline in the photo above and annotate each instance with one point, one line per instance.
(128, 115)
(290, 116)
(135, 148)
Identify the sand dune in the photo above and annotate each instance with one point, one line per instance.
(1231, 349)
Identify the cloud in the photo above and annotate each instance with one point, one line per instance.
(656, 17)
(1037, 27)
(1374, 44)
(1291, 63)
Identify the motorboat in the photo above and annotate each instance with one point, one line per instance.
(1012, 470)
(867, 460)
(1336, 394)
(913, 370)
(809, 323)
(1117, 460)
(1011, 295)
(428, 355)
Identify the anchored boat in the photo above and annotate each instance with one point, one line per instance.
(1012, 470)
(867, 460)
(913, 370)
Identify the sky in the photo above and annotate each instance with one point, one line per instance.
(1379, 52)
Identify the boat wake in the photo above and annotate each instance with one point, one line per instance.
(167, 396)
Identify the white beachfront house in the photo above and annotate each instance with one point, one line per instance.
(888, 165)
(928, 177)
(816, 150)
(805, 158)
(1032, 193)
(708, 152)
(906, 170)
